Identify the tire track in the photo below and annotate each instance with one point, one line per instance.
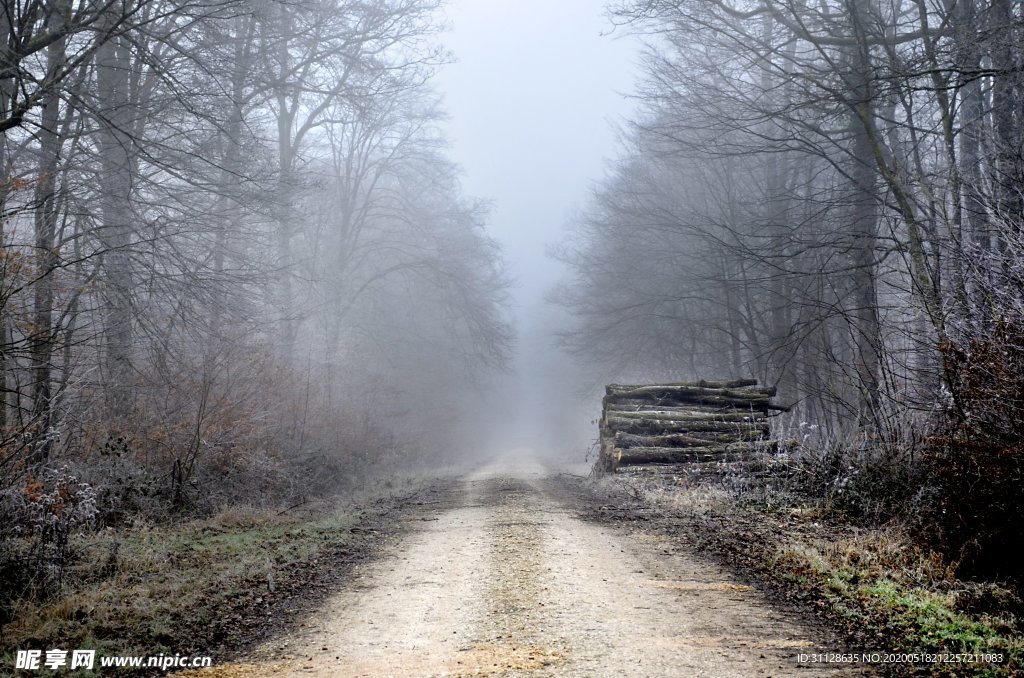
(506, 580)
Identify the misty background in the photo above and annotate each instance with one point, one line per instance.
(257, 250)
(535, 98)
(265, 253)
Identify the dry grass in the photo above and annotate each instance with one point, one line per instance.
(130, 589)
(200, 587)
(876, 582)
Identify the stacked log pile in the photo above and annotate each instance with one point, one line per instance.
(684, 423)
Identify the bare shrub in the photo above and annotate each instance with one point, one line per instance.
(977, 462)
(869, 478)
(40, 518)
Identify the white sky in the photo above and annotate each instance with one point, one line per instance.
(534, 98)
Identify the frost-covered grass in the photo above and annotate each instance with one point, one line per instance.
(876, 583)
(197, 587)
(146, 591)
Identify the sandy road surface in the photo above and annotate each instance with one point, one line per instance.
(499, 577)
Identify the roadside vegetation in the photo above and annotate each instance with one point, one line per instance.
(866, 576)
(209, 586)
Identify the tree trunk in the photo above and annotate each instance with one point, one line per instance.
(45, 222)
(229, 210)
(7, 93)
(864, 221)
(114, 143)
(1007, 177)
(972, 117)
(286, 109)
(776, 168)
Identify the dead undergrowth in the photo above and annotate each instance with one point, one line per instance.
(209, 587)
(872, 585)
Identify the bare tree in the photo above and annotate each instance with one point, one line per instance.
(168, 168)
(848, 253)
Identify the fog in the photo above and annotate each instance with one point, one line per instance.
(536, 96)
(259, 256)
(266, 248)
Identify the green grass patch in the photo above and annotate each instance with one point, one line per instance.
(933, 623)
(913, 618)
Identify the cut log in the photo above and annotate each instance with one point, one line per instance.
(637, 404)
(698, 469)
(606, 459)
(687, 409)
(733, 383)
(668, 455)
(678, 440)
(756, 399)
(694, 428)
(687, 392)
(680, 414)
(761, 403)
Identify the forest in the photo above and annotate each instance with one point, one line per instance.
(258, 342)
(828, 197)
(237, 264)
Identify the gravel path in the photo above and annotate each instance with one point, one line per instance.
(500, 577)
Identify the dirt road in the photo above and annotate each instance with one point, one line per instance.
(499, 577)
